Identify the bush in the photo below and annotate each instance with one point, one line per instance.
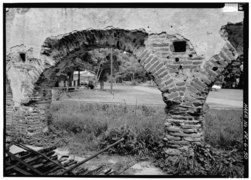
(204, 161)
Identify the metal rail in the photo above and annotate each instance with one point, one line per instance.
(93, 156)
(36, 152)
(25, 164)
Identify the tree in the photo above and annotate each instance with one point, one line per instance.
(233, 76)
(103, 60)
(125, 66)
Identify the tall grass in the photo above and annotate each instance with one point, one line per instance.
(86, 123)
(224, 128)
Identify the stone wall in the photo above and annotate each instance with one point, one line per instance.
(31, 26)
(9, 104)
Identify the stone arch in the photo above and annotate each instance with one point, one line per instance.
(178, 72)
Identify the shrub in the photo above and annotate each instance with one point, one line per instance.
(204, 161)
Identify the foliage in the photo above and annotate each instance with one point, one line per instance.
(90, 126)
(233, 72)
(203, 161)
(125, 65)
(103, 59)
(139, 143)
(89, 123)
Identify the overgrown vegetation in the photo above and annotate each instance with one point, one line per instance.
(89, 125)
(224, 129)
(92, 126)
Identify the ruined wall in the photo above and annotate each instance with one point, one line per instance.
(183, 76)
(177, 70)
(201, 26)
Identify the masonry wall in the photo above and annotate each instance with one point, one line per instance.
(201, 26)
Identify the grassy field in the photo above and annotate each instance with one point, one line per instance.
(85, 126)
(85, 123)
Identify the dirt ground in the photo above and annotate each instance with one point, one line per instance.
(139, 95)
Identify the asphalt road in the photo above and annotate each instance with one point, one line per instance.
(138, 95)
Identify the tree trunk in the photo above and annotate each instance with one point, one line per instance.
(101, 85)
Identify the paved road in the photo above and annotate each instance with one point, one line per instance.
(224, 98)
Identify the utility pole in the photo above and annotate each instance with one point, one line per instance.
(78, 77)
(111, 79)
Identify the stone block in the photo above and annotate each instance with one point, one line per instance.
(180, 142)
(230, 52)
(164, 75)
(189, 126)
(173, 95)
(179, 134)
(171, 71)
(192, 139)
(168, 82)
(193, 130)
(161, 70)
(160, 45)
(181, 84)
(167, 124)
(177, 99)
(225, 56)
(144, 55)
(181, 93)
(151, 69)
(173, 129)
(197, 62)
(172, 138)
(173, 152)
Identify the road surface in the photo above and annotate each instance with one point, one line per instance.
(139, 95)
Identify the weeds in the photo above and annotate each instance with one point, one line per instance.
(223, 128)
(90, 123)
(91, 126)
(204, 161)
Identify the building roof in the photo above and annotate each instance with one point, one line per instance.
(85, 73)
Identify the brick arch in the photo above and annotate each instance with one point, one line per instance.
(155, 52)
(65, 49)
(183, 77)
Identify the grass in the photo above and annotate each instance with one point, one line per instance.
(86, 123)
(89, 127)
(223, 128)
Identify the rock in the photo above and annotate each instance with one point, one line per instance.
(190, 130)
(173, 129)
(173, 138)
(167, 124)
(191, 139)
(174, 152)
(180, 142)
(191, 126)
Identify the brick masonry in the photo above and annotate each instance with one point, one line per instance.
(183, 77)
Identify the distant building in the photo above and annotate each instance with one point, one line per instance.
(78, 78)
(85, 77)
